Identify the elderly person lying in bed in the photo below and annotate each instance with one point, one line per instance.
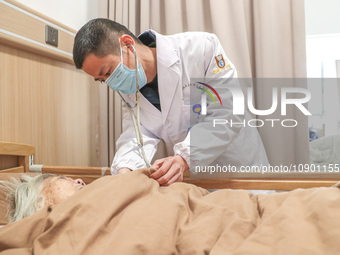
(133, 214)
(28, 195)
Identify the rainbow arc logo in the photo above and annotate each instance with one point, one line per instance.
(202, 108)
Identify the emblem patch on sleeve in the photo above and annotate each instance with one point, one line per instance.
(220, 61)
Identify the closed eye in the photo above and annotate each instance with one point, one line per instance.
(101, 80)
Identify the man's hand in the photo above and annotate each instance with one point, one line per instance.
(124, 170)
(169, 170)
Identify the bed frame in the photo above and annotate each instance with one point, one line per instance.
(24, 157)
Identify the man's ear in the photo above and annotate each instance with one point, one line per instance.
(127, 41)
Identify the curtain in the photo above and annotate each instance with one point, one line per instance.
(263, 38)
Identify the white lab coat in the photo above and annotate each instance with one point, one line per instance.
(181, 57)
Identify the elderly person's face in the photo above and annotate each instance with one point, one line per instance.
(57, 188)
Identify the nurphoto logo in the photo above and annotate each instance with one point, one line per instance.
(282, 97)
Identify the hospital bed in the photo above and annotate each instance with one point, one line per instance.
(132, 214)
(25, 155)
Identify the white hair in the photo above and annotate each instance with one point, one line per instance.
(23, 195)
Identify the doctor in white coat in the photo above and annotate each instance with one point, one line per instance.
(168, 64)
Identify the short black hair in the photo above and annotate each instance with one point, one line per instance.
(100, 37)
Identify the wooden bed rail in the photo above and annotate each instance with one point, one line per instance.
(87, 174)
(260, 184)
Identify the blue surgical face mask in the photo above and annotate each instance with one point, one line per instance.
(123, 79)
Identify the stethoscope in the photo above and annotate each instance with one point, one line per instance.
(136, 123)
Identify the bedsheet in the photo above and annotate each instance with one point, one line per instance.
(132, 214)
(325, 150)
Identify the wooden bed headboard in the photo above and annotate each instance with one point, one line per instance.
(22, 152)
(89, 174)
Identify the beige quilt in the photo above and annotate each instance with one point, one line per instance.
(132, 214)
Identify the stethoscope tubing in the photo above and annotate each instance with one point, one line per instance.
(136, 123)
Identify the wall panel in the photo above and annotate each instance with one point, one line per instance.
(44, 100)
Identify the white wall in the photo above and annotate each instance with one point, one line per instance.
(322, 37)
(323, 50)
(74, 13)
(322, 17)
